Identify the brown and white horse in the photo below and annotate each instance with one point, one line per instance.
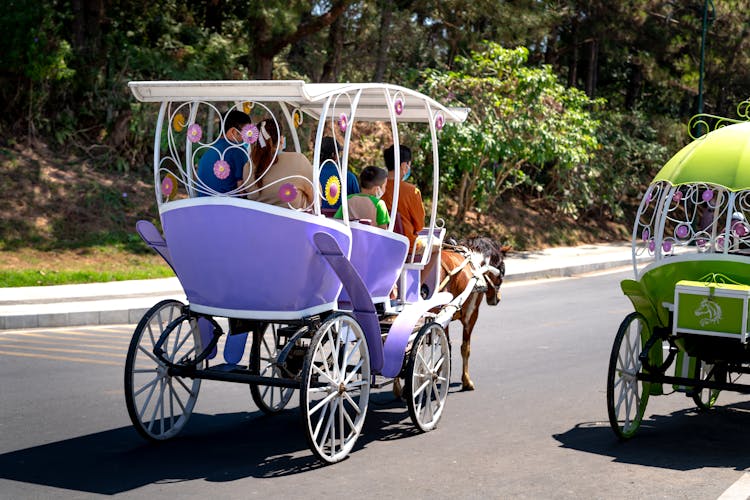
(460, 266)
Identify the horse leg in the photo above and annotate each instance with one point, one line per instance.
(397, 390)
(467, 321)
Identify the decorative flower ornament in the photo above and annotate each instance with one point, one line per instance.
(677, 196)
(169, 186)
(647, 199)
(178, 122)
(221, 169)
(666, 246)
(682, 231)
(333, 190)
(439, 121)
(287, 192)
(398, 106)
(740, 229)
(343, 122)
(247, 106)
(249, 133)
(195, 132)
(651, 246)
(707, 195)
(297, 118)
(720, 243)
(646, 234)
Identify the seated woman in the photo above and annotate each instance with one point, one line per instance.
(367, 204)
(278, 178)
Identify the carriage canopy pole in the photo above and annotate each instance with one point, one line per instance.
(316, 161)
(396, 159)
(344, 170)
(157, 150)
(290, 126)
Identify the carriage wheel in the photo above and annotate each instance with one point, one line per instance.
(263, 357)
(335, 387)
(705, 398)
(626, 396)
(159, 404)
(428, 376)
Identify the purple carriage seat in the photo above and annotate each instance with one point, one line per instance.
(378, 256)
(245, 259)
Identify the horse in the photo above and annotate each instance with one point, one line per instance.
(460, 265)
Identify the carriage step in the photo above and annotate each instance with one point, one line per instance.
(235, 373)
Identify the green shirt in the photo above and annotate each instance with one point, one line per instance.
(382, 217)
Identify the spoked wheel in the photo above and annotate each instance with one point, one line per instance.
(706, 398)
(159, 404)
(626, 396)
(428, 376)
(335, 387)
(263, 357)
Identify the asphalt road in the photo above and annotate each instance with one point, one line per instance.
(535, 427)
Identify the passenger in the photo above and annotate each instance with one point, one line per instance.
(367, 204)
(410, 206)
(224, 178)
(329, 172)
(282, 179)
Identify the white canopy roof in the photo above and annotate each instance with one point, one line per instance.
(309, 97)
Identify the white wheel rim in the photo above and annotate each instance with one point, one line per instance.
(337, 403)
(275, 398)
(627, 388)
(430, 377)
(163, 403)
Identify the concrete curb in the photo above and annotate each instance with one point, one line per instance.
(109, 314)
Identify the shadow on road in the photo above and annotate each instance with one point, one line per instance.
(683, 440)
(221, 447)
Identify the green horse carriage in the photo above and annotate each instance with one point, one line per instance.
(691, 256)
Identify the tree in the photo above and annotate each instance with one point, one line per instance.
(524, 127)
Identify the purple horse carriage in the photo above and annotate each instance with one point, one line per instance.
(313, 293)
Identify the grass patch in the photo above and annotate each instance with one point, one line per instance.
(41, 278)
(31, 267)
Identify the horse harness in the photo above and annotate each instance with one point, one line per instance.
(479, 272)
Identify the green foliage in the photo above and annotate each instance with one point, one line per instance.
(524, 127)
(43, 278)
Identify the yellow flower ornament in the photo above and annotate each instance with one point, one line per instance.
(333, 190)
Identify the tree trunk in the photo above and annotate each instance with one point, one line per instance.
(386, 9)
(593, 65)
(86, 26)
(332, 66)
(214, 17)
(633, 92)
(573, 64)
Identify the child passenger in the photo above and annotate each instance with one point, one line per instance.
(367, 204)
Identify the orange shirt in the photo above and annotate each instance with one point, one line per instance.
(410, 207)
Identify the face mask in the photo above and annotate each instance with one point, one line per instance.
(407, 174)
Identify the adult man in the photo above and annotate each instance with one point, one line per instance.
(225, 176)
(410, 206)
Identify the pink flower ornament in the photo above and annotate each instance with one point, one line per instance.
(646, 234)
(677, 196)
(249, 133)
(167, 186)
(398, 106)
(221, 169)
(287, 192)
(343, 122)
(195, 132)
(682, 231)
(439, 121)
(707, 195)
